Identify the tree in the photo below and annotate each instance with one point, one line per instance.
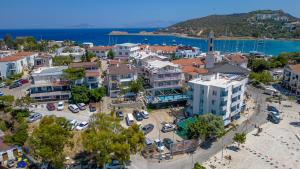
(9, 42)
(263, 77)
(110, 54)
(6, 102)
(206, 126)
(62, 60)
(136, 86)
(49, 139)
(23, 101)
(74, 74)
(198, 166)
(80, 94)
(97, 94)
(240, 138)
(87, 56)
(106, 139)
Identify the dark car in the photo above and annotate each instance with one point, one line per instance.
(120, 115)
(147, 128)
(92, 107)
(138, 115)
(272, 108)
(168, 142)
(15, 85)
(50, 106)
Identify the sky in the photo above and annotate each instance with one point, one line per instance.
(26, 14)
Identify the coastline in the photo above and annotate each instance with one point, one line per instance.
(193, 37)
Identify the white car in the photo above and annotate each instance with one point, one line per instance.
(81, 106)
(145, 114)
(159, 145)
(73, 108)
(83, 125)
(60, 106)
(73, 124)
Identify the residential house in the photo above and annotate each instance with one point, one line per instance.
(192, 68)
(8, 152)
(49, 83)
(43, 60)
(16, 63)
(168, 51)
(100, 51)
(92, 74)
(237, 59)
(120, 75)
(87, 45)
(291, 78)
(143, 56)
(219, 94)
(125, 51)
(187, 52)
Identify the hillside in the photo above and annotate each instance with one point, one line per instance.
(258, 24)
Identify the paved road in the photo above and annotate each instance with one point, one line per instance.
(201, 155)
(16, 92)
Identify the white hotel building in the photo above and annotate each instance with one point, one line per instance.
(219, 94)
(126, 50)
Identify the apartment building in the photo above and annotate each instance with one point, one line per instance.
(92, 74)
(100, 51)
(125, 51)
(43, 60)
(120, 75)
(291, 78)
(219, 94)
(164, 50)
(49, 84)
(16, 63)
(143, 56)
(187, 52)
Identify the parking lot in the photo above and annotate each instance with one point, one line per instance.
(277, 146)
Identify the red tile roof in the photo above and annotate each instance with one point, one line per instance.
(16, 56)
(83, 64)
(162, 49)
(188, 62)
(194, 70)
(92, 74)
(237, 58)
(295, 68)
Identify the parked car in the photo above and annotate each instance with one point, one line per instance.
(120, 115)
(168, 142)
(15, 85)
(73, 124)
(50, 106)
(10, 163)
(92, 107)
(81, 106)
(274, 117)
(73, 108)
(60, 106)
(145, 114)
(81, 126)
(1, 93)
(24, 81)
(272, 108)
(167, 128)
(148, 142)
(159, 145)
(34, 117)
(3, 84)
(147, 128)
(138, 115)
(115, 164)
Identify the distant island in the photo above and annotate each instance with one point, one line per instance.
(257, 24)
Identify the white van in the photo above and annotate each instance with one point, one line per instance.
(129, 119)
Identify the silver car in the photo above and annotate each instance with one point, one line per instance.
(34, 117)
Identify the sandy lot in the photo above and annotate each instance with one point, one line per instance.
(277, 146)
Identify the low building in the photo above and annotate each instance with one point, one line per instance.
(92, 74)
(143, 56)
(43, 60)
(161, 50)
(219, 94)
(187, 52)
(125, 51)
(75, 51)
(291, 78)
(4, 53)
(49, 83)
(237, 59)
(87, 45)
(16, 63)
(100, 51)
(120, 75)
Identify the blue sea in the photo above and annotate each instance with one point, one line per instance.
(101, 37)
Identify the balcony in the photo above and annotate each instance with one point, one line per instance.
(224, 94)
(126, 79)
(167, 78)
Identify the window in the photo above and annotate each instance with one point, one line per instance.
(214, 93)
(120, 53)
(126, 53)
(213, 102)
(213, 111)
(202, 91)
